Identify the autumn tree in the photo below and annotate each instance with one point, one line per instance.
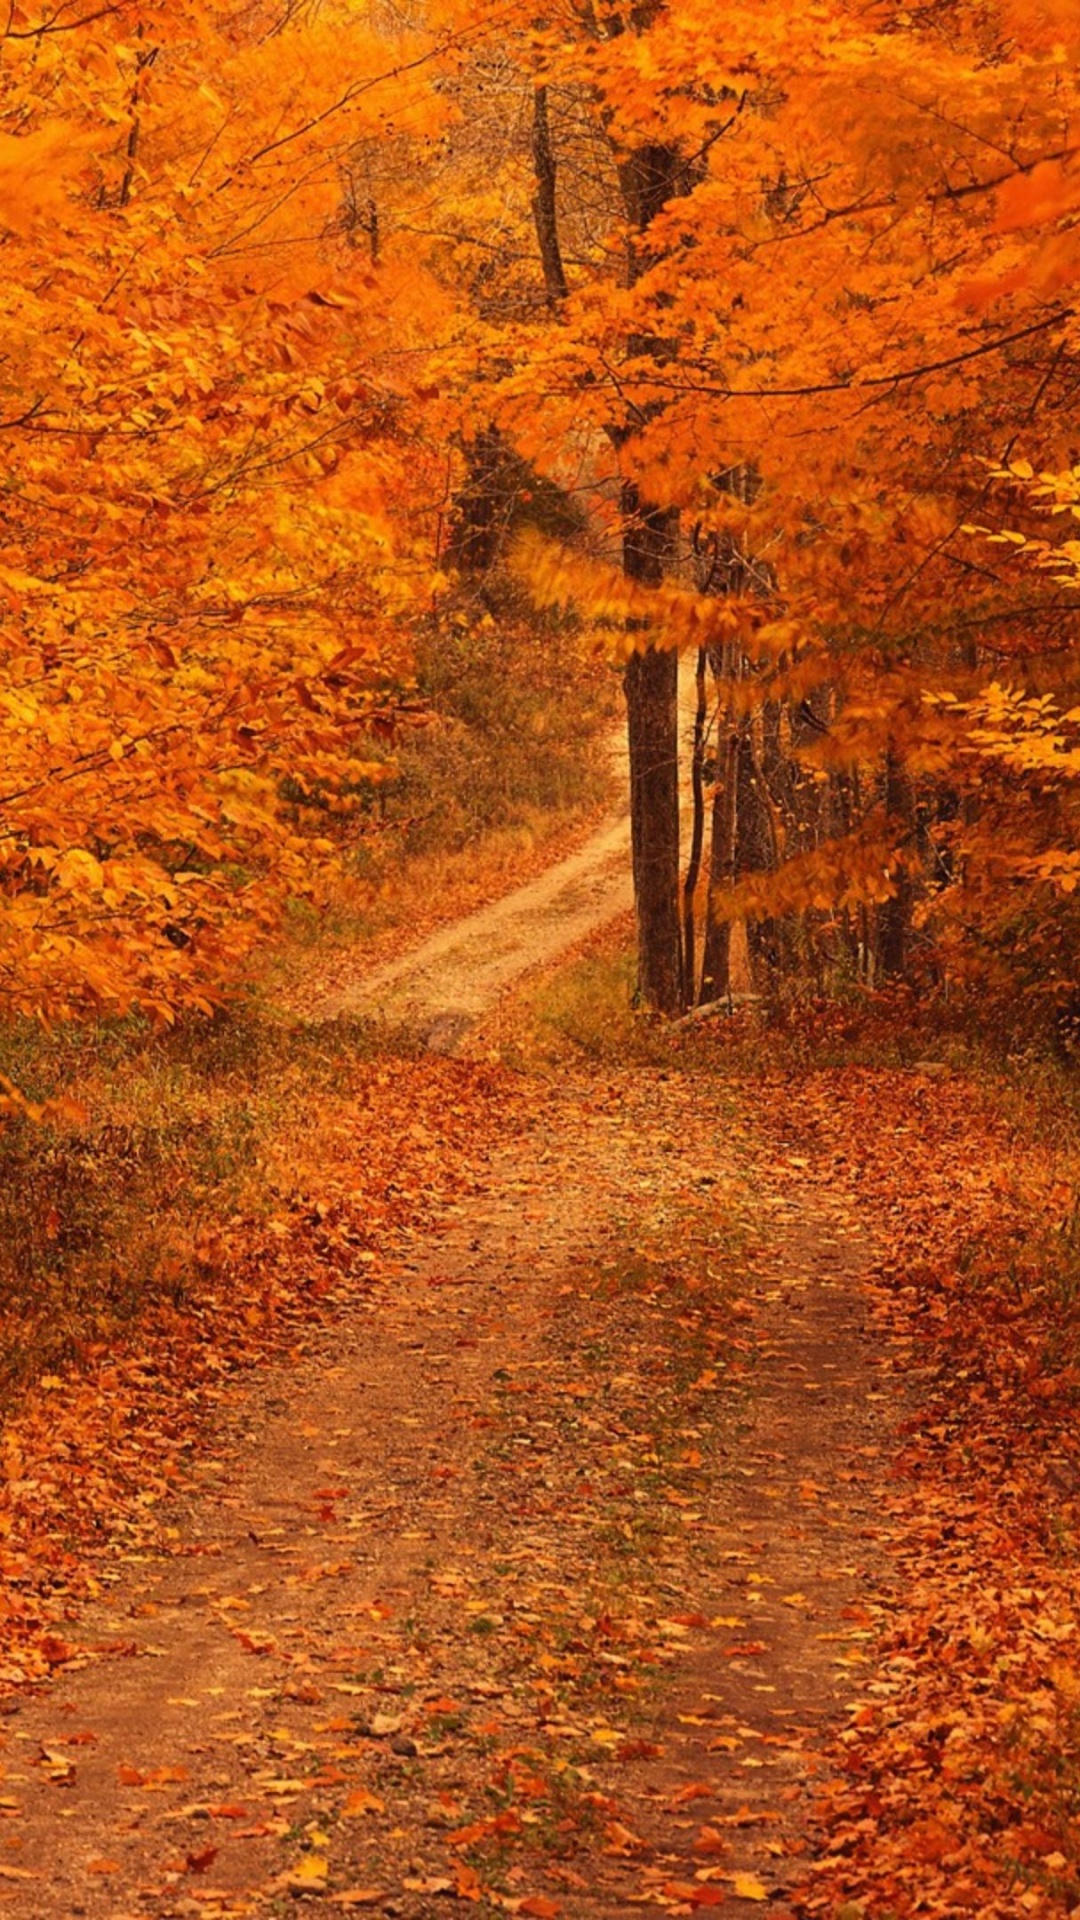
(255, 351)
(853, 279)
(209, 557)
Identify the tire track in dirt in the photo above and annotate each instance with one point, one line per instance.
(443, 987)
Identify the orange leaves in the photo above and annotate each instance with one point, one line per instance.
(846, 340)
(624, 613)
(360, 1802)
(692, 1893)
(499, 1823)
(1042, 194)
(37, 172)
(174, 566)
(156, 1780)
(947, 1780)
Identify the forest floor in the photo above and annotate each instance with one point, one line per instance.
(647, 1483)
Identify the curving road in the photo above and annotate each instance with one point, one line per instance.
(445, 985)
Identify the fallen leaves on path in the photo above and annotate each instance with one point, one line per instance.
(87, 1462)
(960, 1769)
(565, 1527)
(644, 1527)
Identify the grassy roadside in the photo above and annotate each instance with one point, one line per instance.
(107, 1218)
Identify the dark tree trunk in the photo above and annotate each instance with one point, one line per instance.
(649, 176)
(894, 916)
(545, 212)
(651, 683)
(480, 506)
(651, 700)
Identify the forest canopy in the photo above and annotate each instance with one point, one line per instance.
(754, 342)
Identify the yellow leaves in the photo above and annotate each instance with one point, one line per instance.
(80, 870)
(310, 1875)
(23, 710)
(747, 1886)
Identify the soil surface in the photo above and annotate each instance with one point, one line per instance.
(537, 1588)
(541, 1581)
(441, 988)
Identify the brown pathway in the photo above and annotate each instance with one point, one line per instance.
(535, 1593)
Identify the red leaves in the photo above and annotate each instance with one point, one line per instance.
(506, 1822)
(54, 1651)
(637, 1750)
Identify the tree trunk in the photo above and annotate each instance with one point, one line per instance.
(480, 506)
(697, 831)
(716, 959)
(894, 916)
(651, 684)
(545, 212)
(649, 176)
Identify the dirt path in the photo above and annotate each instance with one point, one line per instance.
(443, 986)
(536, 1594)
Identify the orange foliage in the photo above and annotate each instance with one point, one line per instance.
(202, 587)
(261, 286)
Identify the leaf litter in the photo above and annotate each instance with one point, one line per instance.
(604, 1544)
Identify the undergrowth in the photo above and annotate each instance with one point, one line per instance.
(105, 1217)
(585, 1008)
(508, 754)
(514, 707)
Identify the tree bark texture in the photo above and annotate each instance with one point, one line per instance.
(697, 830)
(716, 958)
(544, 208)
(652, 685)
(649, 176)
(894, 916)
